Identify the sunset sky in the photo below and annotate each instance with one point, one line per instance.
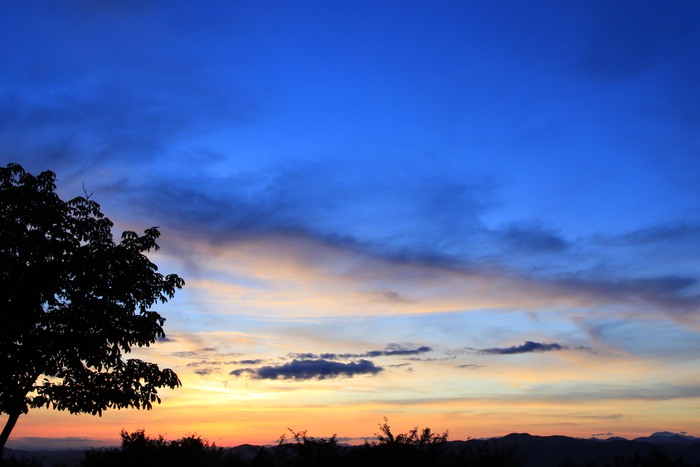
(477, 216)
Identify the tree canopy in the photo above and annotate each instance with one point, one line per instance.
(73, 302)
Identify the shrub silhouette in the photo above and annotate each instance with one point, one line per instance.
(307, 450)
(138, 450)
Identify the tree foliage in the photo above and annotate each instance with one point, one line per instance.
(414, 437)
(73, 302)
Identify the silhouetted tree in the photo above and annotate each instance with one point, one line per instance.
(412, 438)
(415, 448)
(73, 303)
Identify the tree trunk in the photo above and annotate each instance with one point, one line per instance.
(11, 422)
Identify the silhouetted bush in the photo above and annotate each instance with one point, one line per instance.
(137, 450)
(306, 450)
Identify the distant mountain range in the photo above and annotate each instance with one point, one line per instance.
(666, 437)
(545, 451)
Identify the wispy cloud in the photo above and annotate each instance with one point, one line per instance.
(527, 347)
(253, 361)
(470, 366)
(390, 350)
(593, 391)
(676, 232)
(205, 355)
(204, 363)
(532, 237)
(667, 292)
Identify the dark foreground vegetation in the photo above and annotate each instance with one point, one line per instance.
(418, 447)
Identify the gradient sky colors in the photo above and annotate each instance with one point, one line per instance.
(474, 216)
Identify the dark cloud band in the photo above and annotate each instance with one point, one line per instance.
(390, 350)
(310, 369)
(527, 347)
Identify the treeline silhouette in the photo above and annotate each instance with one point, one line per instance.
(415, 448)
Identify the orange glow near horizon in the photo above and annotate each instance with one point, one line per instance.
(263, 424)
(266, 304)
(296, 308)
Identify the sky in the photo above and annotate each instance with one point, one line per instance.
(477, 216)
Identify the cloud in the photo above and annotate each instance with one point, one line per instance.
(391, 296)
(187, 354)
(243, 371)
(310, 365)
(256, 361)
(400, 365)
(207, 371)
(666, 291)
(527, 347)
(390, 350)
(438, 285)
(334, 201)
(532, 237)
(204, 362)
(320, 210)
(204, 354)
(593, 391)
(669, 232)
(572, 393)
(310, 369)
(102, 125)
(396, 349)
(470, 366)
(82, 108)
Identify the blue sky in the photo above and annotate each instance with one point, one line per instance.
(512, 185)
